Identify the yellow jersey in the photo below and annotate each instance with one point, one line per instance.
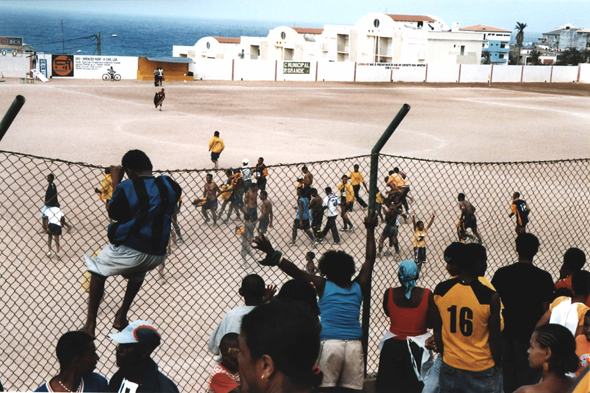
(348, 192)
(106, 191)
(465, 311)
(356, 178)
(216, 145)
(420, 238)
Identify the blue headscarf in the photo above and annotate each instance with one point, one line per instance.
(408, 273)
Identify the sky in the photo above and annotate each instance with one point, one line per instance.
(540, 15)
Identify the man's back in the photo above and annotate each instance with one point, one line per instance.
(230, 323)
(465, 312)
(523, 288)
(143, 207)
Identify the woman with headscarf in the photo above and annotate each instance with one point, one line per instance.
(403, 355)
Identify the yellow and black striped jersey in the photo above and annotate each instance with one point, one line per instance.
(465, 311)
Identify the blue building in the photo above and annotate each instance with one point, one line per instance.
(497, 42)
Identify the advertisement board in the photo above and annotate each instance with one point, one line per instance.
(296, 67)
(11, 45)
(62, 66)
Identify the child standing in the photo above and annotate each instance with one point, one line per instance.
(310, 265)
(420, 240)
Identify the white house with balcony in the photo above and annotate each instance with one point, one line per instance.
(210, 48)
(292, 43)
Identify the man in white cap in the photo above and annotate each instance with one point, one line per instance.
(138, 373)
(246, 175)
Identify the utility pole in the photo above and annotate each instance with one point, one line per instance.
(98, 43)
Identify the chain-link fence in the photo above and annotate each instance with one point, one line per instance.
(42, 296)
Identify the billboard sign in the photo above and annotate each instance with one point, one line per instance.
(62, 65)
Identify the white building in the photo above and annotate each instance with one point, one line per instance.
(210, 48)
(291, 43)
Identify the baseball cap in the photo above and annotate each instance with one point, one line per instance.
(138, 332)
(245, 161)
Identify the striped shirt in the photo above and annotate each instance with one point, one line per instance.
(142, 208)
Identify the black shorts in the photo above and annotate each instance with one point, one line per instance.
(346, 206)
(470, 221)
(390, 230)
(211, 204)
(419, 255)
(55, 229)
(305, 224)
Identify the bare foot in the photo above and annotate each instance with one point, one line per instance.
(89, 329)
(120, 322)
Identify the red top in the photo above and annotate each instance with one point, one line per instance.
(408, 322)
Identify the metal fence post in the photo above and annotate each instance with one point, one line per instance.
(18, 103)
(372, 194)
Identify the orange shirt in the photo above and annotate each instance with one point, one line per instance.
(564, 283)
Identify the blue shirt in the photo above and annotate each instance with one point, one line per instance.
(305, 214)
(142, 208)
(92, 383)
(340, 312)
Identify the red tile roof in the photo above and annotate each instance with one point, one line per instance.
(308, 30)
(410, 18)
(228, 40)
(484, 28)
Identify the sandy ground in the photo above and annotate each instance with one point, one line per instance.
(96, 122)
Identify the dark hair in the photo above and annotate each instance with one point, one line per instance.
(70, 346)
(356, 165)
(574, 259)
(290, 335)
(107, 170)
(260, 158)
(468, 257)
(229, 172)
(254, 185)
(230, 340)
(313, 191)
(208, 174)
(137, 161)
(517, 194)
(51, 176)
(527, 245)
(419, 222)
(337, 266)
(263, 192)
(396, 170)
(304, 168)
(453, 253)
(253, 287)
(563, 347)
(581, 283)
(344, 176)
(328, 190)
(310, 254)
(562, 292)
(216, 133)
(300, 291)
(461, 196)
(391, 172)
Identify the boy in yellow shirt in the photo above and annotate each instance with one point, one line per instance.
(420, 240)
(347, 199)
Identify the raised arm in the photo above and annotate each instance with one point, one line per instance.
(364, 276)
(276, 258)
(414, 220)
(431, 221)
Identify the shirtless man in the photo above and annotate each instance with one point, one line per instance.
(265, 220)
(235, 185)
(307, 182)
(251, 202)
(467, 220)
(210, 192)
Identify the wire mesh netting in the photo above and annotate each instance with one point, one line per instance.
(44, 296)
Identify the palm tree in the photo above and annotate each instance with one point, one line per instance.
(486, 55)
(535, 54)
(519, 37)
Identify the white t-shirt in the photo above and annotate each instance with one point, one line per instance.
(54, 215)
(331, 202)
(246, 173)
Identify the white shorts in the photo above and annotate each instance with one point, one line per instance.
(342, 363)
(124, 261)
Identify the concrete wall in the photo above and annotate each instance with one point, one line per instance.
(507, 74)
(296, 77)
(14, 66)
(475, 73)
(408, 74)
(585, 73)
(217, 69)
(336, 72)
(536, 74)
(256, 70)
(372, 73)
(443, 72)
(93, 67)
(565, 74)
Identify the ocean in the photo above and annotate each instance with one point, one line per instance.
(136, 35)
